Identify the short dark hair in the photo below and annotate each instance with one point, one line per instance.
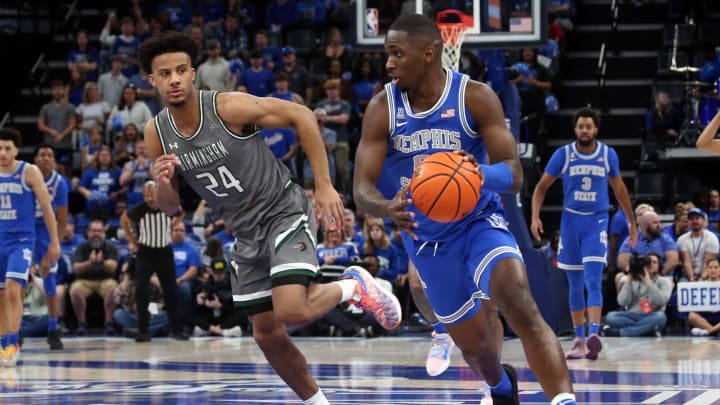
(167, 43)
(419, 27)
(57, 83)
(43, 146)
(587, 112)
(11, 134)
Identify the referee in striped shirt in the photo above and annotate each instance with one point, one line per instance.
(154, 254)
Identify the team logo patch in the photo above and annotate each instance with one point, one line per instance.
(301, 246)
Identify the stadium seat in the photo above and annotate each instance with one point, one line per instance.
(651, 187)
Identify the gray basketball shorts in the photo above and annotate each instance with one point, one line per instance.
(286, 254)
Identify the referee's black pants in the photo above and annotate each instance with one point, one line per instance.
(161, 261)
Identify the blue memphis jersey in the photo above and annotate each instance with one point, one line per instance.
(584, 177)
(447, 126)
(57, 187)
(17, 203)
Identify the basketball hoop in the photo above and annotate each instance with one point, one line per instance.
(453, 25)
(452, 36)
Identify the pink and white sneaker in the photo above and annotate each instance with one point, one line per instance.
(372, 298)
(439, 357)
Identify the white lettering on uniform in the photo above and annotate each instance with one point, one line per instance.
(584, 195)
(584, 170)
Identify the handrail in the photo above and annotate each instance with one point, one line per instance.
(5, 119)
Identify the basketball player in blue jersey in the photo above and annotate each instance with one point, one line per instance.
(586, 167)
(470, 268)
(58, 190)
(21, 184)
(211, 140)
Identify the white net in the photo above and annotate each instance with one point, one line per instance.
(452, 36)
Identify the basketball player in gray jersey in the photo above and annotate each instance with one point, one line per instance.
(211, 139)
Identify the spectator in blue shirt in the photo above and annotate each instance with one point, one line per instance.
(377, 243)
(651, 240)
(710, 71)
(283, 144)
(126, 44)
(272, 57)
(663, 120)
(256, 80)
(679, 226)
(365, 84)
(187, 263)
(335, 251)
(179, 11)
(279, 14)
(83, 57)
(100, 185)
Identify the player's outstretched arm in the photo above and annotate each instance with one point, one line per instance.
(163, 171)
(504, 174)
(538, 197)
(240, 109)
(369, 160)
(34, 179)
(706, 141)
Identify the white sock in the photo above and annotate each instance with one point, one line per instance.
(318, 398)
(348, 288)
(563, 398)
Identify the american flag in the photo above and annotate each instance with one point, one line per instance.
(520, 24)
(449, 113)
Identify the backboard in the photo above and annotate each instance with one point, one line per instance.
(496, 23)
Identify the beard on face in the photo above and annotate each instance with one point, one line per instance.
(584, 142)
(653, 232)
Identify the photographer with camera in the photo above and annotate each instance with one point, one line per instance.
(644, 295)
(94, 265)
(215, 313)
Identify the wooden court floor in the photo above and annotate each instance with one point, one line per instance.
(389, 370)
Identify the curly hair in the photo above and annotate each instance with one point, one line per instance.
(167, 43)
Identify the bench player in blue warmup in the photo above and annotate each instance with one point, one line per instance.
(58, 190)
(586, 167)
(471, 267)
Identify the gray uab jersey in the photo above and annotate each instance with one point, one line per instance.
(243, 182)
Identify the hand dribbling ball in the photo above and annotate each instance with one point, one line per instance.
(445, 187)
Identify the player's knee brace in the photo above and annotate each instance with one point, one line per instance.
(576, 290)
(593, 282)
(49, 284)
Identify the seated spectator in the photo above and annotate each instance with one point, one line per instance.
(215, 313)
(300, 79)
(364, 86)
(126, 45)
(94, 264)
(334, 251)
(179, 10)
(713, 211)
(697, 246)
(337, 50)
(187, 264)
(76, 88)
(619, 231)
(114, 229)
(100, 185)
(533, 84)
(232, 38)
(282, 89)
(338, 114)
(707, 323)
(126, 315)
(643, 295)
(125, 144)
(377, 243)
(226, 238)
(311, 13)
(92, 113)
(551, 249)
(135, 173)
(664, 120)
(650, 240)
(90, 150)
(279, 14)
(83, 57)
(352, 231)
(679, 226)
(246, 12)
(130, 110)
(330, 139)
(197, 20)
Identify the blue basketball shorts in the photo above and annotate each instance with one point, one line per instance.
(16, 256)
(583, 238)
(456, 271)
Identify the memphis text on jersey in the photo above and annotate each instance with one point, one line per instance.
(586, 170)
(424, 139)
(7, 212)
(202, 156)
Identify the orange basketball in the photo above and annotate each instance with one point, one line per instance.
(445, 187)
